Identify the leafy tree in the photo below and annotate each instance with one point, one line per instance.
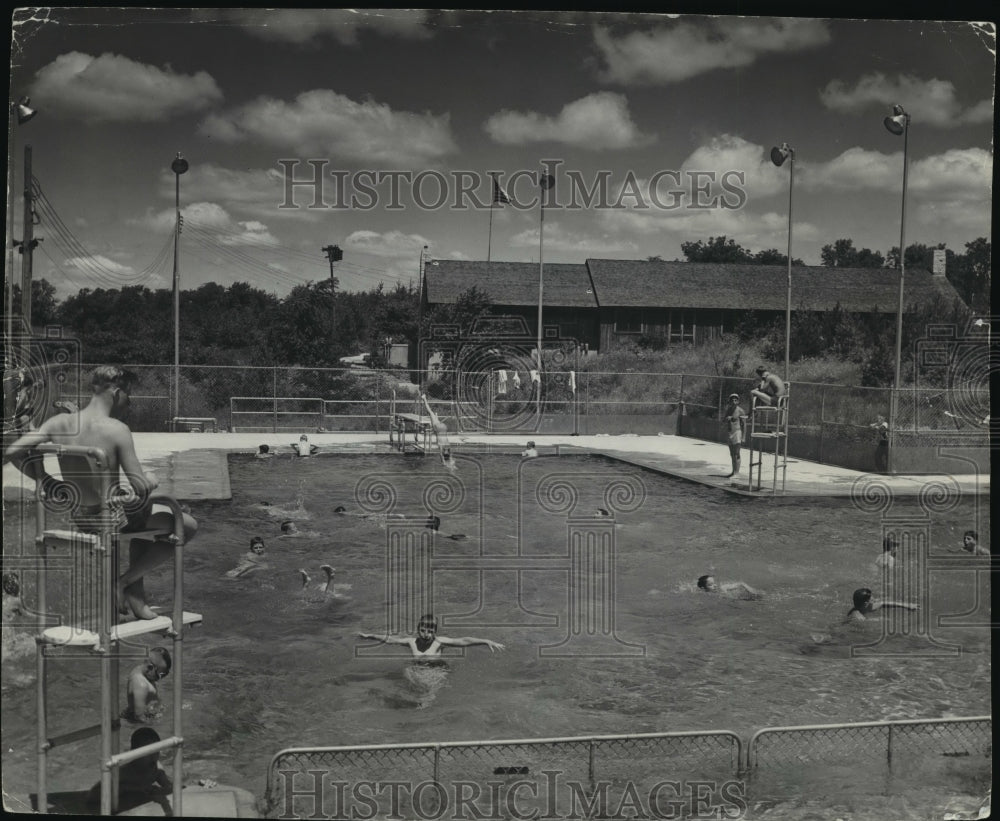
(717, 249)
(843, 254)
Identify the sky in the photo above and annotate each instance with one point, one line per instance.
(657, 130)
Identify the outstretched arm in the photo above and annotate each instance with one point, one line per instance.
(901, 604)
(470, 641)
(430, 410)
(385, 638)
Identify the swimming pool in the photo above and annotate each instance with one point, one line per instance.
(275, 666)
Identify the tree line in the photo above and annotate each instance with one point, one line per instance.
(315, 326)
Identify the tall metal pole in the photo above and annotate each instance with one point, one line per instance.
(27, 246)
(8, 349)
(541, 276)
(788, 299)
(178, 166)
(902, 260)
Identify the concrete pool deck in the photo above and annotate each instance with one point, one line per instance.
(193, 466)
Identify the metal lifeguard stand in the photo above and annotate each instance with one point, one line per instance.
(91, 625)
(769, 437)
(410, 432)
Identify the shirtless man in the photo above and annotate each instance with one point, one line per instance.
(100, 425)
(865, 605)
(141, 689)
(736, 424)
(428, 643)
(770, 388)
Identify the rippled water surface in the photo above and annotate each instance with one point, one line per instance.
(278, 665)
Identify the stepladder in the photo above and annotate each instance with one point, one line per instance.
(769, 442)
(77, 549)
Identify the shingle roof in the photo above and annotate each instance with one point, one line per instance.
(635, 283)
(625, 283)
(510, 283)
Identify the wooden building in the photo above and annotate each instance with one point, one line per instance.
(609, 303)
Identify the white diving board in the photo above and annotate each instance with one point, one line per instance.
(68, 635)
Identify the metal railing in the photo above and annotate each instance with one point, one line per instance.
(569, 773)
(583, 764)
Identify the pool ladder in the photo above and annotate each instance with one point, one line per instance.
(90, 630)
(769, 425)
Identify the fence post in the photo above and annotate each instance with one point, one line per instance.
(680, 409)
(590, 764)
(889, 748)
(274, 398)
(378, 401)
(822, 421)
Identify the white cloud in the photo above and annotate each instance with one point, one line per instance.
(599, 120)
(960, 175)
(854, 169)
(393, 244)
(94, 261)
(930, 102)
(686, 49)
(557, 238)
(113, 88)
(302, 26)
(212, 218)
(957, 174)
(326, 124)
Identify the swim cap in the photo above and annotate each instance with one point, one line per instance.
(761, 369)
(734, 396)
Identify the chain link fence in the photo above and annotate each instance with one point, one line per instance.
(843, 763)
(830, 424)
(556, 776)
(663, 773)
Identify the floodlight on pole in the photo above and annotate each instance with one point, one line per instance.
(22, 112)
(178, 166)
(778, 156)
(899, 124)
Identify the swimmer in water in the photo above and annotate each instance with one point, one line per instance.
(13, 604)
(322, 590)
(529, 451)
(289, 528)
(143, 697)
(303, 447)
(970, 544)
(252, 560)
(264, 452)
(736, 590)
(865, 605)
(427, 643)
(888, 558)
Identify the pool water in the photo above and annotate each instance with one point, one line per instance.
(278, 665)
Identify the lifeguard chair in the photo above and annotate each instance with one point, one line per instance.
(91, 626)
(769, 437)
(410, 433)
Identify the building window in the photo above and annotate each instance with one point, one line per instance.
(682, 326)
(628, 321)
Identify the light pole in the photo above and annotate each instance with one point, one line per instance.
(22, 111)
(778, 156)
(899, 123)
(178, 166)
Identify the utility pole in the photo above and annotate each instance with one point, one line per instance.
(28, 245)
(333, 254)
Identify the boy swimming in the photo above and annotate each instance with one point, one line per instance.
(865, 605)
(427, 643)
